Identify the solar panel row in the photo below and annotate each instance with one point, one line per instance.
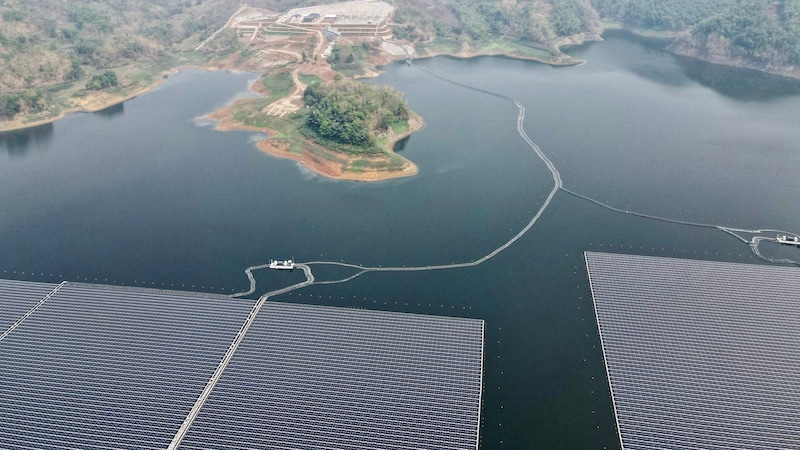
(700, 354)
(319, 377)
(17, 297)
(103, 367)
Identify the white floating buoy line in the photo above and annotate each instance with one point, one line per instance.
(557, 186)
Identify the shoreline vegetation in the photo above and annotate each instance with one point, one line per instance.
(92, 101)
(291, 61)
(290, 144)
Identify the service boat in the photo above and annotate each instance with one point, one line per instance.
(278, 264)
(788, 240)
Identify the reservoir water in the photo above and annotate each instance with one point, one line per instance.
(147, 193)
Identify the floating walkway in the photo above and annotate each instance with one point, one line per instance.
(317, 377)
(295, 376)
(90, 359)
(558, 185)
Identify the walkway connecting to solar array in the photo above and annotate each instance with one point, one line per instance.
(331, 378)
(105, 367)
(699, 354)
(95, 367)
(20, 298)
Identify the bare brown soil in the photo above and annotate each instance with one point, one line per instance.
(323, 161)
(283, 53)
(333, 168)
(468, 53)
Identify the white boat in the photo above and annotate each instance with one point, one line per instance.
(287, 264)
(788, 240)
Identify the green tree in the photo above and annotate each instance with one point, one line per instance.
(350, 113)
(13, 15)
(101, 81)
(566, 17)
(9, 106)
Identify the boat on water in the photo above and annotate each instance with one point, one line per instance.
(788, 240)
(278, 264)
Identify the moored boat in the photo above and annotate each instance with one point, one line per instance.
(286, 264)
(788, 240)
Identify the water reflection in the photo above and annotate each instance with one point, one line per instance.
(112, 111)
(645, 57)
(740, 84)
(19, 142)
(401, 144)
(656, 73)
(737, 83)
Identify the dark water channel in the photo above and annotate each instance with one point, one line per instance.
(148, 194)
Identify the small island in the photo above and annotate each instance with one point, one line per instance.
(85, 56)
(347, 129)
(313, 109)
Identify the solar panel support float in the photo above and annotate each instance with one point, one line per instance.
(31, 311)
(201, 399)
(212, 382)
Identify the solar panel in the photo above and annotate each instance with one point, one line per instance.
(314, 377)
(700, 354)
(104, 367)
(17, 298)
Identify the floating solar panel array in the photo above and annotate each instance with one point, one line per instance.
(98, 367)
(700, 354)
(19, 297)
(91, 367)
(313, 377)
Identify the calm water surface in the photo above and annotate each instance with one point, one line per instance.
(147, 193)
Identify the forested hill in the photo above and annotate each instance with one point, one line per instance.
(543, 24)
(49, 46)
(47, 42)
(757, 34)
(54, 51)
(661, 15)
(350, 116)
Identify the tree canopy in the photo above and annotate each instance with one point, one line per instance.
(353, 114)
(102, 81)
(13, 103)
(762, 30)
(671, 15)
(473, 21)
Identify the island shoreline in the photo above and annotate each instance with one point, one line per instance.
(672, 44)
(21, 125)
(14, 125)
(327, 167)
(101, 105)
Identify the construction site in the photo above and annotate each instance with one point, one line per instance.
(301, 40)
(368, 18)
